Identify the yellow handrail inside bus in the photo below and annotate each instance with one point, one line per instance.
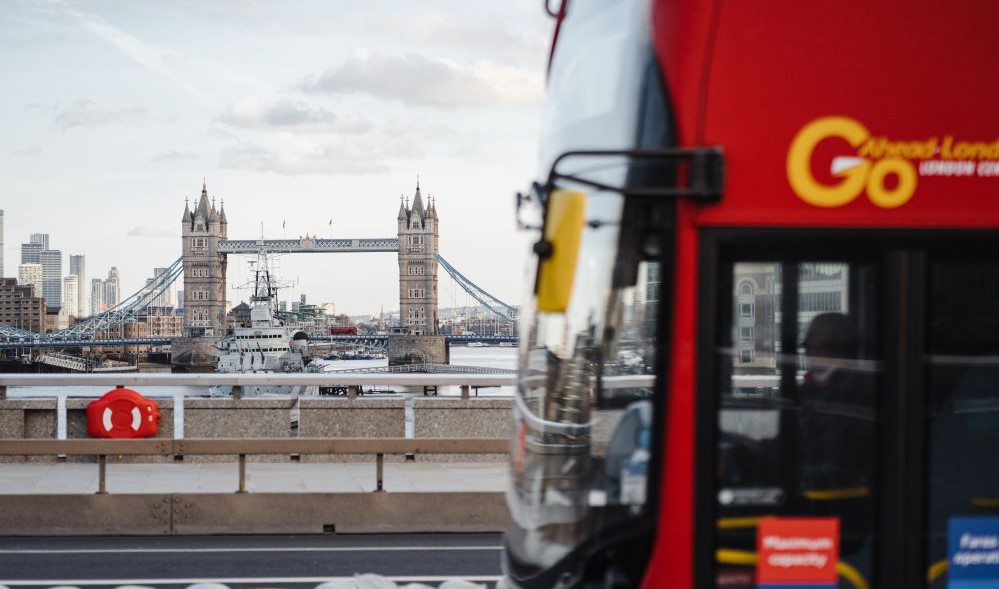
(985, 502)
(736, 557)
(747, 558)
(938, 568)
(836, 494)
(852, 575)
(736, 523)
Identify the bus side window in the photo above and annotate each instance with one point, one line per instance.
(963, 397)
(797, 409)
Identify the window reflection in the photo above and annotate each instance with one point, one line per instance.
(797, 411)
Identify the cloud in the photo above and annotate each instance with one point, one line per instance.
(173, 155)
(150, 231)
(293, 116)
(84, 113)
(416, 80)
(220, 132)
(522, 43)
(142, 53)
(29, 151)
(353, 158)
(420, 130)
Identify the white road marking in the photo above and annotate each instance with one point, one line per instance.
(252, 549)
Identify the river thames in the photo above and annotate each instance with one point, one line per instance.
(485, 357)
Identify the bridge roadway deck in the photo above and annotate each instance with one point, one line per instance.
(222, 477)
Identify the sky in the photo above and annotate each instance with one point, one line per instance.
(295, 113)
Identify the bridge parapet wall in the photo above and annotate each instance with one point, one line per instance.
(245, 418)
(462, 418)
(26, 420)
(351, 418)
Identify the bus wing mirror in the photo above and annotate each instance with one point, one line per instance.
(558, 250)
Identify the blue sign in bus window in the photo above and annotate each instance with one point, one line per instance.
(973, 553)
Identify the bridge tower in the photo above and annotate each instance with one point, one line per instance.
(418, 244)
(418, 338)
(204, 284)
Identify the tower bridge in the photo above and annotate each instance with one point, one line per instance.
(204, 261)
(206, 245)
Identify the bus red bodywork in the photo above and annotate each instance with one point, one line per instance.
(749, 77)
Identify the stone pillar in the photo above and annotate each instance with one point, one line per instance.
(418, 246)
(204, 286)
(417, 349)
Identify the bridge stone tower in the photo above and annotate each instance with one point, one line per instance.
(204, 285)
(418, 236)
(418, 339)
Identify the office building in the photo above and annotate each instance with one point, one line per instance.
(77, 266)
(98, 302)
(51, 261)
(112, 288)
(29, 252)
(31, 275)
(165, 298)
(70, 292)
(41, 239)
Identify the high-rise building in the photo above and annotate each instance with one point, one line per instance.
(41, 239)
(51, 261)
(97, 296)
(29, 252)
(112, 288)
(37, 251)
(70, 292)
(165, 298)
(77, 266)
(31, 275)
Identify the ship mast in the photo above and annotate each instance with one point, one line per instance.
(263, 301)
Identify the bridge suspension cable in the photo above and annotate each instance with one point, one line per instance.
(125, 310)
(15, 333)
(498, 307)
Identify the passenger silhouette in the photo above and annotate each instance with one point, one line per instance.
(836, 429)
(837, 406)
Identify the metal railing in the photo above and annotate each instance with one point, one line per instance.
(243, 447)
(351, 383)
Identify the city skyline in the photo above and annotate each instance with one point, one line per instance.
(294, 116)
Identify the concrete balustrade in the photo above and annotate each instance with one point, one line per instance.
(318, 417)
(482, 417)
(341, 417)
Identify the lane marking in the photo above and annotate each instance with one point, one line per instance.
(394, 579)
(249, 549)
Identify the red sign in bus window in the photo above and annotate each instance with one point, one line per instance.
(797, 552)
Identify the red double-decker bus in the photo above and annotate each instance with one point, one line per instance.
(762, 349)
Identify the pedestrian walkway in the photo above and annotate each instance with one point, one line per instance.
(399, 477)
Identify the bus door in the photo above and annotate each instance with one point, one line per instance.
(848, 411)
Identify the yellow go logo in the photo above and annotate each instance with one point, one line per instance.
(857, 173)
